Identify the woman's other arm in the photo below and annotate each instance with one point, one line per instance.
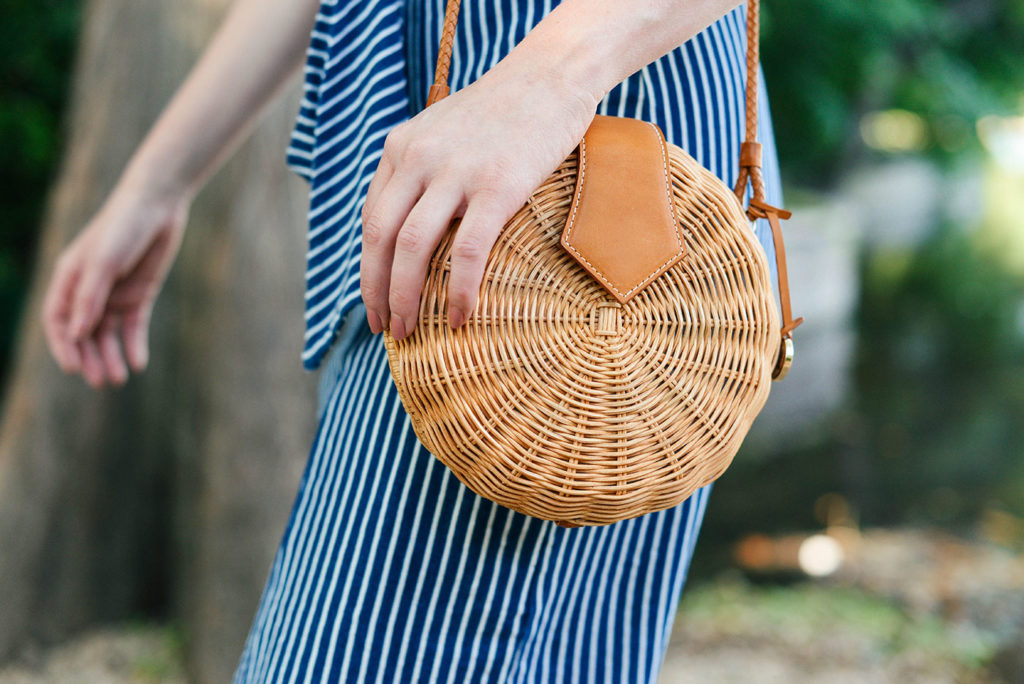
(101, 294)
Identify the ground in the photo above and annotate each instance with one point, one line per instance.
(906, 606)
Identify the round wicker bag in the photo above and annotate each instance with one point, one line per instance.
(567, 398)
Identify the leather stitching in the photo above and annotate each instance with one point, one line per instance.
(671, 211)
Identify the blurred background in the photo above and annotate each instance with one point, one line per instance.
(870, 530)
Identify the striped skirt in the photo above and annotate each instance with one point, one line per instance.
(391, 570)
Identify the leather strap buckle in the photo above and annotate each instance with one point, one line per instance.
(761, 209)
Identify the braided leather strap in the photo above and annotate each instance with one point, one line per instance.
(444, 54)
(750, 170)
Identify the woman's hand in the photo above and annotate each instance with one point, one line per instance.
(101, 294)
(479, 154)
(100, 297)
(482, 151)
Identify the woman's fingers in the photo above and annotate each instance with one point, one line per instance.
(97, 306)
(56, 311)
(478, 231)
(92, 362)
(380, 179)
(401, 234)
(90, 296)
(84, 297)
(415, 244)
(135, 334)
(379, 231)
(110, 351)
(495, 140)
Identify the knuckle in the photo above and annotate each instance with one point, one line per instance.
(494, 199)
(455, 171)
(469, 248)
(494, 176)
(104, 261)
(411, 239)
(372, 292)
(488, 181)
(84, 306)
(399, 301)
(393, 140)
(401, 128)
(418, 151)
(373, 231)
(491, 196)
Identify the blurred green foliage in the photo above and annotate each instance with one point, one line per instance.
(828, 63)
(37, 41)
(940, 379)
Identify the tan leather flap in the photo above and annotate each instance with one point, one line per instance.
(622, 225)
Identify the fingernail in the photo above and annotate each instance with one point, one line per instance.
(397, 327)
(374, 321)
(455, 316)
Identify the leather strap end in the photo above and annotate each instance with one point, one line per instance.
(791, 326)
(762, 209)
(437, 92)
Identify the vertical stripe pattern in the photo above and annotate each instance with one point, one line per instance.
(369, 66)
(390, 570)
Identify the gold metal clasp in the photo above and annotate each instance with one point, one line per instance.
(785, 359)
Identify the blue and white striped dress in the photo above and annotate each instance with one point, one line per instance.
(391, 570)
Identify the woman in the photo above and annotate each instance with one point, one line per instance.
(390, 569)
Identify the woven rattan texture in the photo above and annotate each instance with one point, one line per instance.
(556, 401)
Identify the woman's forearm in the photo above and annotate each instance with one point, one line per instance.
(255, 50)
(599, 43)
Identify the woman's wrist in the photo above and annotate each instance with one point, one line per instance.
(596, 44)
(149, 183)
(141, 200)
(584, 43)
(155, 180)
(561, 53)
(529, 75)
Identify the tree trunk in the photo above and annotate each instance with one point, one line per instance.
(167, 496)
